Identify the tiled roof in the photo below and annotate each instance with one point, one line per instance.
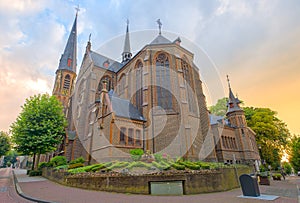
(99, 60)
(123, 108)
(160, 40)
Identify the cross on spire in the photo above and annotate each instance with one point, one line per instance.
(228, 81)
(77, 9)
(159, 25)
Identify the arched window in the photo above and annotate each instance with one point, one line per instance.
(121, 84)
(108, 83)
(122, 135)
(163, 82)
(187, 75)
(138, 86)
(67, 82)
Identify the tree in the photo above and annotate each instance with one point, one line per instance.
(295, 152)
(4, 143)
(40, 126)
(11, 157)
(220, 108)
(271, 133)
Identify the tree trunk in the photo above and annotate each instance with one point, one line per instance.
(33, 162)
(38, 160)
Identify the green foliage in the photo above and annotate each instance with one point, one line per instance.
(295, 152)
(136, 154)
(43, 165)
(11, 157)
(118, 165)
(158, 157)
(161, 165)
(65, 167)
(276, 176)
(139, 164)
(35, 173)
(77, 170)
(40, 126)
(287, 168)
(76, 165)
(4, 143)
(271, 133)
(58, 161)
(78, 160)
(220, 108)
(190, 165)
(178, 166)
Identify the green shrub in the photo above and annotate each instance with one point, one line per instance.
(139, 164)
(43, 165)
(178, 166)
(158, 157)
(189, 165)
(61, 167)
(35, 173)
(136, 154)
(78, 160)
(161, 166)
(58, 161)
(118, 165)
(77, 170)
(76, 165)
(97, 167)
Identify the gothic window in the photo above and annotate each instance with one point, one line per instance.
(187, 75)
(122, 84)
(67, 82)
(108, 83)
(122, 135)
(163, 82)
(130, 136)
(138, 137)
(139, 93)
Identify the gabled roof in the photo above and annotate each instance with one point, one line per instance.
(160, 40)
(99, 60)
(124, 108)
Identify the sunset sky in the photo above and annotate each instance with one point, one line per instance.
(257, 43)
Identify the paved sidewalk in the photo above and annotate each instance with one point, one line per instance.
(47, 191)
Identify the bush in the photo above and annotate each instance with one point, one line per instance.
(35, 173)
(158, 157)
(118, 165)
(189, 165)
(139, 164)
(43, 165)
(58, 161)
(76, 165)
(78, 160)
(61, 167)
(136, 154)
(178, 166)
(161, 166)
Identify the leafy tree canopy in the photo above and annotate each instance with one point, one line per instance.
(295, 152)
(220, 108)
(4, 143)
(40, 126)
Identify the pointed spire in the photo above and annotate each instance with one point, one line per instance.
(69, 57)
(233, 102)
(126, 55)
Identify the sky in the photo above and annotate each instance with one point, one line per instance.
(257, 43)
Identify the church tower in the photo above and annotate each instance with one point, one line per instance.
(66, 72)
(126, 55)
(235, 114)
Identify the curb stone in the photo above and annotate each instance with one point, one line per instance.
(22, 194)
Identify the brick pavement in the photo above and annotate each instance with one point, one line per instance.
(46, 190)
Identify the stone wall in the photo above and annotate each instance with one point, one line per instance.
(194, 183)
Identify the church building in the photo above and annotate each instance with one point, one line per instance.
(152, 100)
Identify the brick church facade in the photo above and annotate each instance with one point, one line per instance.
(152, 100)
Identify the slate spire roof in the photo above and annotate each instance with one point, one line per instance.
(233, 102)
(126, 55)
(69, 57)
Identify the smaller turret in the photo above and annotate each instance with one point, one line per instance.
(126, 55)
